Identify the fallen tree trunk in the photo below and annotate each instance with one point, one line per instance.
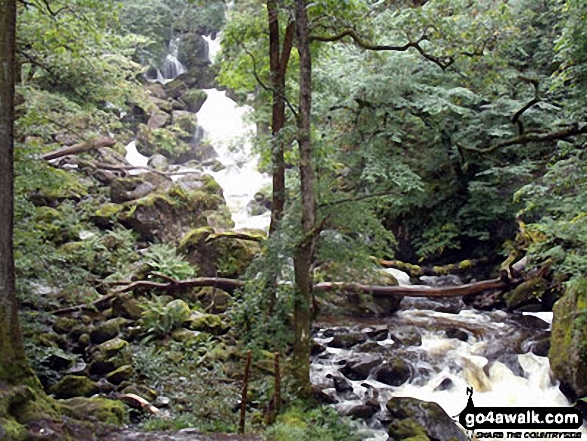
(421, 291)
(462, 267)
(79, 148)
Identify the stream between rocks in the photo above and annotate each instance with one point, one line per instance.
(431, 350)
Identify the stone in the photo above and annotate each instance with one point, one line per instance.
(341, 385)
(158, 162)
(362, 411)
(193, 50)
(568, 348)
(346, 341)
(158, 120)
(209, 323)
(526, 293)
(214, 300)
(74, 386)
(394, 373)
(107, 330)
(109, 356)
(194, 99)
(186, 121)
(361, 368)
(129, 189)
(459, 334)
(412, 418)
(156, 90)
(125, 305)
(123, 373)
(97, 409)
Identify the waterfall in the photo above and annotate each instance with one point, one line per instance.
(172, 67)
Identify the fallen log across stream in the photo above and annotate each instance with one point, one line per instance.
(171, 285)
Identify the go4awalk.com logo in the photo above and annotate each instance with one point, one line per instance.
(520, 422)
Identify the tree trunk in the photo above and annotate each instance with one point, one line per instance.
(305, 250)
(278, 61)
(13, 365)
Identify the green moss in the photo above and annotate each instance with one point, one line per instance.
(210, 323)
(527, 292)
(101, 409)
(108, 211)
(407, 429)
(10, 430)
(194, 237)
(465, 265)
(74, 386)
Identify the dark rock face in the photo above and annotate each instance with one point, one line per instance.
(526, 294)
(412, 417)
(457, 333)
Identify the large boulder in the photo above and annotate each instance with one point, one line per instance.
(527, 293)
(568, 345)
(193, 50)
(169, 214)
(413, 418)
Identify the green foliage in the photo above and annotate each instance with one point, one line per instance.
(162, 315)
(299, 423)
(198, 399)
(555, 217)
(163, 258)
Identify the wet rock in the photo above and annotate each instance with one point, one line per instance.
(568, 350)
(445, 384)
(532, 322)
(193, 50)
(361, 368)
(107, 330)
(377, 334)
(540, 346)
(484, 301)
(194, 99)
(407, 338)
(123, 373)
(162, 401)
(322, 397)
(186, 121)
(156, 90)
(346, 341)
(74, 386)
(526, 293)
(64, 325)
(362, 411)
(394, 373)
(457, 333)
(158, 120)
(341, 385)
(317, 349)
(511, 362)
(158, 162)
(327, 333)
(412, 418)
(129, 189)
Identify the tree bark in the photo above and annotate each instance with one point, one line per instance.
(79, 148)
(278, 61)
(13, 364)
(304, 253)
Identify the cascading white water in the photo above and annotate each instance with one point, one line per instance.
(172, 67)
(225, 126)
(443, 367)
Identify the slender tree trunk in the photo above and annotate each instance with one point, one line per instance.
(278, 61)
(305, 250)
(13, 365)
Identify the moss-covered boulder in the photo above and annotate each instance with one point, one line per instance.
(123, 373)
(186, 121)
(568, 344)
(526, 293)
(74, 386)
(421, 420)
(129, 189)
(107, 330)
(193, 50)
(194, 99)
(209, 323)
(125, 305)
(96, 409)
(170, 214)
(109, 356)
(214, 300)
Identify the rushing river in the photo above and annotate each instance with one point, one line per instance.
(429, 350)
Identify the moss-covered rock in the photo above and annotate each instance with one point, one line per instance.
(209, 323)
(125, 305)
(214, 300)
(186, 121)
(169, 215)
(109, 356)
(98, 409)
(74, 386)
(123, 373)
(107, 330)
(416, 418)
(568, 348)
(194, 99)
(526, 293)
